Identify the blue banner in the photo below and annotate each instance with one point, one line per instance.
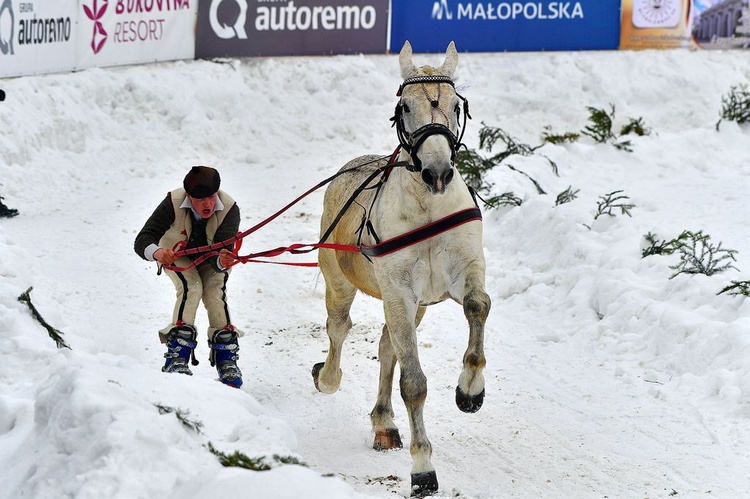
(509, 25)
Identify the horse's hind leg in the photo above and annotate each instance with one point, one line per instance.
(339, 297)
(387, 436)
(476, 303)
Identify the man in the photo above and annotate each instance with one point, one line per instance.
(198, 214)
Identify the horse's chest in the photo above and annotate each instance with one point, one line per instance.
(434, 273)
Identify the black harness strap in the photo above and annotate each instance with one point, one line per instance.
(422, 233)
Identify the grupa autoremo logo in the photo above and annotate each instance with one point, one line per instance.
(222, 30)
(95, 13)
(7, 23)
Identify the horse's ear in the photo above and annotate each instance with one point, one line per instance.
(451, 61)
(404, 59)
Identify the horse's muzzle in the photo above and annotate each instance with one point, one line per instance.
(437, 182)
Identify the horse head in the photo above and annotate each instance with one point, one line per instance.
(427, 117)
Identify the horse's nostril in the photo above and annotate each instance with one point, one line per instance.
(448, 177)
(427, 177)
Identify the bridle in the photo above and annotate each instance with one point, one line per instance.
(412, 141)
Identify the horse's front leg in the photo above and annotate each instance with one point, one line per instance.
(387, 436)
(400, 317)
(476, 303)
(339, 297)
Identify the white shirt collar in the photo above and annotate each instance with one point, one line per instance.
(186, 204)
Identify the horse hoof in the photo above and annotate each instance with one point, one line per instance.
(387, 440)
(315, 372)
(467, 403)
(423, 484)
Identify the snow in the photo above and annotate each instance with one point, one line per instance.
(605, 378)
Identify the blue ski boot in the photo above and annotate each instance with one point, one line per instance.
(180, 345)
(224, 348)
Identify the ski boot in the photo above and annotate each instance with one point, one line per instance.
(224, 348)
(180, 345)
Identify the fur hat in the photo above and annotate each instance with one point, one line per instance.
(201, 182)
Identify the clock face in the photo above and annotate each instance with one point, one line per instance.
(656, 13)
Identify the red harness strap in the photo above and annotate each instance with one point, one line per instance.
(381, 248)
(376, 250)
(425, 232)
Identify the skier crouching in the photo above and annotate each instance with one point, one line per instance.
(197, 214)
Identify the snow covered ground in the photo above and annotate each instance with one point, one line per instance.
(605, 378)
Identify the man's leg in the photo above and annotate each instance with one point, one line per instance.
(180, 336)
(222, 335)
(188, 292)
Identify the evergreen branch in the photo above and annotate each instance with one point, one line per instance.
(489, 136)
(623, 145)
(241, 460)
(536, 184)
(55, 334)
(566, 196)
(553, 165)
(182, 417)
(736, 105)
(635, 126)
(662, 247)
(288, 460)
(472, 168)
(699, 256)
(550, 138)
(737, 288)
(505, 199)
(600, 128)
(612, 201)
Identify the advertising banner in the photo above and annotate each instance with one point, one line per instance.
(505, 25)
(237, 28)
(648, 24)
(721, 24)
(114, 32)
(37, 36)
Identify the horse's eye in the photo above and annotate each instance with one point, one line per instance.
(406, 109)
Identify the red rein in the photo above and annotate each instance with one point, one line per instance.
(376, 250)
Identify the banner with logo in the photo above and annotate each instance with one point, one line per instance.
(659, 24)
(114, 32)
(37, 36)
(505, 25)
(237, 28)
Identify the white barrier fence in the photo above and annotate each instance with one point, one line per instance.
(45, 36)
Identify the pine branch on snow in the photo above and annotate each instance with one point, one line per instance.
(240, 460)
(699, 256)
(566, 196)
(663, 247)
(55, 334)
(735, 106)
(182, 417)
(613, 201)
(737, 288)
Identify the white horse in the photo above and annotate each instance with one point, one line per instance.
(407, 279)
